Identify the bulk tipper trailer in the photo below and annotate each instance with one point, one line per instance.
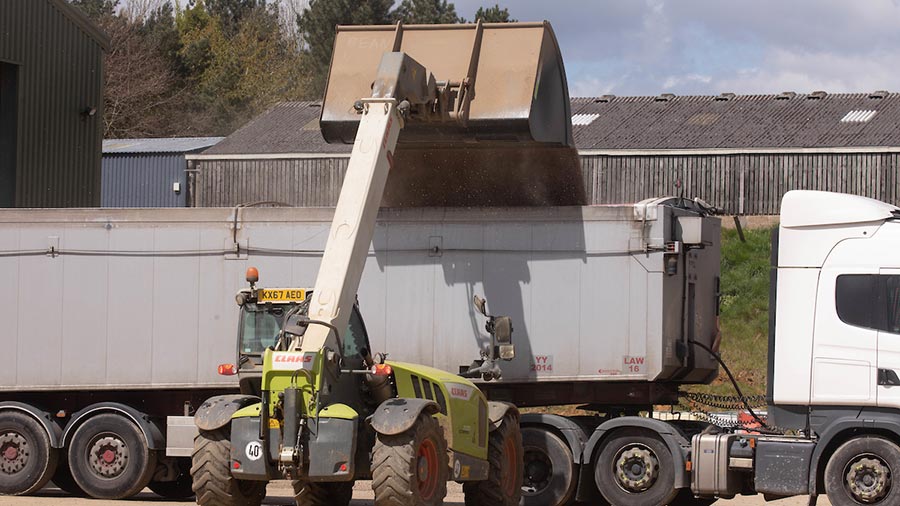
(128, 314)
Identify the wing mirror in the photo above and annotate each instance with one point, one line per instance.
(500, 348)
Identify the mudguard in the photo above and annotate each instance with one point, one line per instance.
(152, 433)
(216, 412)
(395, 416)
(498, 410)
(54, 432)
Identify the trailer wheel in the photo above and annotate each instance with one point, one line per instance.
(211, 473)
(180, 488)
(549, 469)
(63, 479)
(109, 457)
(411, 468)
(27, 462)
(307, 493)
(635, 467)
(505, 455)
(863, 471)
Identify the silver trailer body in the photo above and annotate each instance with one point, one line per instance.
(144, 299)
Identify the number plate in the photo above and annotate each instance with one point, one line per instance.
(281, 295)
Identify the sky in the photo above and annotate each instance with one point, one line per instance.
(693, 47)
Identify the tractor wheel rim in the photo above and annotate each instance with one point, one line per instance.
(636, 468)
(538, 472)
(427, 469)
(508, 475)
(867, 479)
(108, 456)
(15, 452)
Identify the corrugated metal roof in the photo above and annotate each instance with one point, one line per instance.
(287, 128)
(168, 145)
(816, 120)
(786, 120)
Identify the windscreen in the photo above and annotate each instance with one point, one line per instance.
(260, 324)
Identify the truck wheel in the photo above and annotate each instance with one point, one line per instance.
(635, 467)
(63, 479)
(109, 458)
(307, 493)
(862, 471)
(412, 468)
(178, 489)
(505, 455)
(549, 469)
(27, 462)
(211, 473)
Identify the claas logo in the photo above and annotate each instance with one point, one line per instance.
(293, 359)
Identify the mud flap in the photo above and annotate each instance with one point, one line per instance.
(332, 446)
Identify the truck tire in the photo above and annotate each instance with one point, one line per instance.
(505, 456)
(864, 470)
(307, 493)
(211, 473)
(181, 488)
(411, 468)
(27, 462)
(635, 467)
(109, 457)
(63, 479)
(549, 477)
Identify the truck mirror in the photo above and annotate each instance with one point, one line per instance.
(480, 305)
(503, 329)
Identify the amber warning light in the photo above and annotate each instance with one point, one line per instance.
(227, 370)
(382, 370)
(252, 275)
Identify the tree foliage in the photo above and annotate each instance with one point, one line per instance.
(205, 67)
(317, 23)
(494, 15)
(427, 12)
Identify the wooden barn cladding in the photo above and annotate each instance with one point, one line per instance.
(739, 153)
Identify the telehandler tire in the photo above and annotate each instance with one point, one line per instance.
(307, 493)
(27, 462)
(411, 468)
(635, 467)
(211, 473)
(506, 457)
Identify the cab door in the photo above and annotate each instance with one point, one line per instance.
(888, 306)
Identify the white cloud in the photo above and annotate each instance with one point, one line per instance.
(673, 82)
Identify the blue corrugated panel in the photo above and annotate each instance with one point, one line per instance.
(143, 180)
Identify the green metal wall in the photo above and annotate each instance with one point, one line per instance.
(60, 76)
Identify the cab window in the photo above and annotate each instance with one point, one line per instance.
(355, 338)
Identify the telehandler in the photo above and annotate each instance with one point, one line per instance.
(328, 411)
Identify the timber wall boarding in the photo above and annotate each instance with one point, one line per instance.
(741, 183)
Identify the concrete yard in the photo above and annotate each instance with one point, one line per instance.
(280, 495)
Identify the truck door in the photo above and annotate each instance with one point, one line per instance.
(844, 361)
(889, 339)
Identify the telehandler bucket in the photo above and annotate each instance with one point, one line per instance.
(508, 137)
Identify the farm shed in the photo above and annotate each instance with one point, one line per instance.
(51, 105)
(148, 172)
(739, 153)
